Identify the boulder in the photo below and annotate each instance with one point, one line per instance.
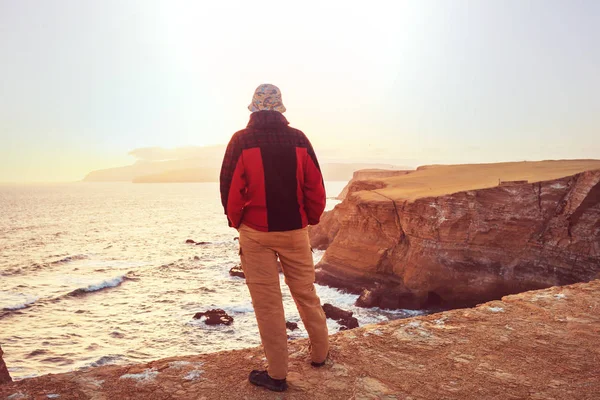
(344, 318)
(215, 317)
(335, 313)
(4, 375)
(349, 323)
(292, 326)
(237, 271)
(394, 297)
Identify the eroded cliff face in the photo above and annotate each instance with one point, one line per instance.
(4, 375)
(463, 248)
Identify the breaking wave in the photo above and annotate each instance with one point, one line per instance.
(23, 301)
(105, 284)
(26, 303)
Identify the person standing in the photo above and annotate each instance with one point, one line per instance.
(271, 190)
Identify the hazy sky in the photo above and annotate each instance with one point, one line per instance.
(84, 82)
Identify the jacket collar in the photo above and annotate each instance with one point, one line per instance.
(262, 119)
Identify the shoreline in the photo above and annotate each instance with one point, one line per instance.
(538, 344)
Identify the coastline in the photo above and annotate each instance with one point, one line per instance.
(538, 344)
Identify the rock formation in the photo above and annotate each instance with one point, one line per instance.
(535, 345)
(215, 317)
(292, 326)
(4, 375)
(344, 318)
(237, 271)
(450, 236)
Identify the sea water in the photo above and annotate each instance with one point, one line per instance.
(99, 273)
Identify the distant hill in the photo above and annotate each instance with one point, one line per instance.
(205, 169)
(205, 160)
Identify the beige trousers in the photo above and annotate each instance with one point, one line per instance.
(258, 252)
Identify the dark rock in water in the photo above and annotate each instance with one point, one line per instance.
(202, 243)
(395, 297)
(237, 271)
(367, 299)
(4, 375)
(335, 313)
(215, 317)
(292, 326)
(347, 286)
(344, 318)
(196, 258)
(190, 241)
(349, 323)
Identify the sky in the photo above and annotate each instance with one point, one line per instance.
(88, 84)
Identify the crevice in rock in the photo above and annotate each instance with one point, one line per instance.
(592, 198)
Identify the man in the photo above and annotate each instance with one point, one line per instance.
(271, 189)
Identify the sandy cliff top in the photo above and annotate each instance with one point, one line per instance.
(438, 180)
(535, 345)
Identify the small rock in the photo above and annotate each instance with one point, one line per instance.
(237, 271)
(196, 258)
(292, 326)
(215, 317)
(336, 313)
(4, 375)
(344, 318)
(190, 241)
(348, 323)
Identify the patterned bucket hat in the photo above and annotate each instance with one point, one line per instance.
(267, 97)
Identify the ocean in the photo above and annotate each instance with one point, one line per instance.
(100, 273)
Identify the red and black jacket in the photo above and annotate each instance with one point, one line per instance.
(270, 179)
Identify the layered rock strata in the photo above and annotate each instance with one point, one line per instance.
(450, 236)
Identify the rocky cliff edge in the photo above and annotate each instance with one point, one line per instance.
(455, 236)
(535, 345)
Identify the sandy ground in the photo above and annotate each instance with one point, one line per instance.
(535, 345)
(438, 180)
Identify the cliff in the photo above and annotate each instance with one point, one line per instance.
(450, 236)
(368, 179)
(4, 375)
(534, 345)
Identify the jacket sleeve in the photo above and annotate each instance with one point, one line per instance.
(233, 183)
(314, 188)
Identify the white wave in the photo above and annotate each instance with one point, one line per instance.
(107, 283)
(19, 301)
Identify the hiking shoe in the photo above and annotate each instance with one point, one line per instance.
(317, 365)
(262, 378)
